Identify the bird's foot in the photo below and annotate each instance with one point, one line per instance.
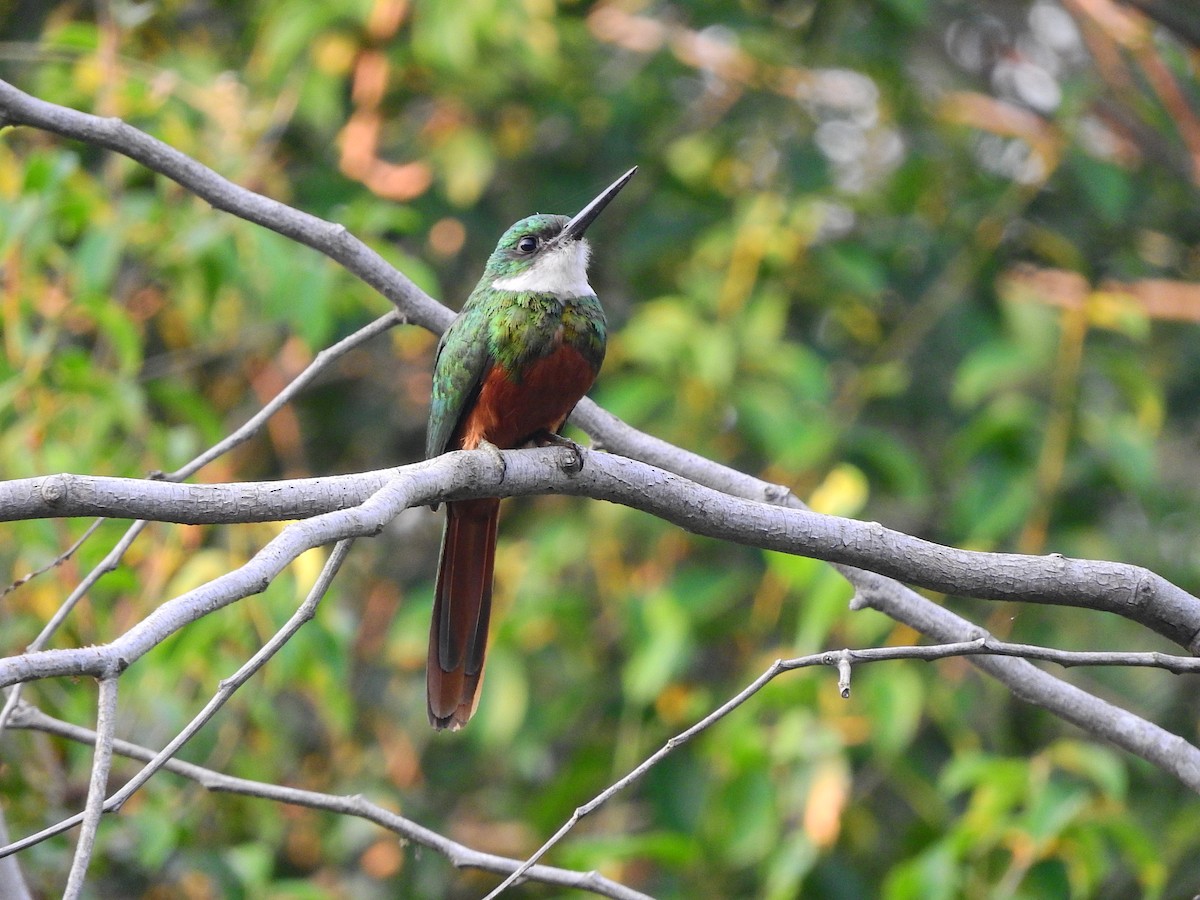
(551, 439)
(496, 454)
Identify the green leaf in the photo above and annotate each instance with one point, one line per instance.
(660, 649)
(931, 875)
(1101, 766)
(992, 369)
(893, 700)
(1106, 186)
(854, 268)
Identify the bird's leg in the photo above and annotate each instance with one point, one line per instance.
(547, 438)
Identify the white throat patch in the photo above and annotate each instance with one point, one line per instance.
(562, 272)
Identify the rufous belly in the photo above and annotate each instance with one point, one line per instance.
(509, 410)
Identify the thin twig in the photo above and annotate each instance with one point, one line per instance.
(12, 881)
(461, 856)
(843, 661)
(329, 238)
(319, 364)
(986, 645)
(252, 426)
(54, 563)
(642, 768)
(1028, 683)
(225, 690)
(106, 723)
(106, 565)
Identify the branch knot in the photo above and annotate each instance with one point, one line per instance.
(775, 493)
(54, 489)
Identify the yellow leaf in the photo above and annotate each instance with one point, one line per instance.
(843, 492)
(826, 802)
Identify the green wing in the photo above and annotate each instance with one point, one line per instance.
(462, 360)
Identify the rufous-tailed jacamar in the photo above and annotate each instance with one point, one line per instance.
(509, 370)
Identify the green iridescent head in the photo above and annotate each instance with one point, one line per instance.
(552, 244)
(523, 244)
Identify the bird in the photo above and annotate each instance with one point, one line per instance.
(509, 370)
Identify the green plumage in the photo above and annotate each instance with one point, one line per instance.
(509, 329)
(509, 370)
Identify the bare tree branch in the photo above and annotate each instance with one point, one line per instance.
(19, 108)
(1072, 704)
(1130, 591)
(459, 855)
(843, 661)
(247, 430)
(854, 547)
(225, 690)
(106, 723)
(1090, 713)
(12, 882)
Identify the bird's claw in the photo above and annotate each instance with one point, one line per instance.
(575, 465)
(496, 454)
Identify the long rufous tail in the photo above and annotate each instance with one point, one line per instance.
(462, 605)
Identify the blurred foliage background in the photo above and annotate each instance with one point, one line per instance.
(928, 262)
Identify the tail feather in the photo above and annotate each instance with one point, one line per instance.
(462, 605)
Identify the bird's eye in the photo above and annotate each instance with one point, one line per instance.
(527, 244)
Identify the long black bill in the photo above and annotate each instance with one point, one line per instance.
(574, 229)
